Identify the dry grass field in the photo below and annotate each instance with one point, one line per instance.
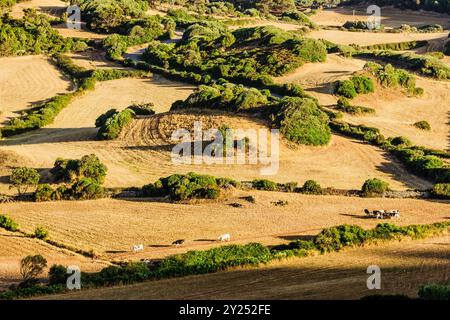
(26, 81)
(14, 247)
(50, 7)
(142, 154)
(110, 227)
(342, 275)
(390, 16)
(395, 111)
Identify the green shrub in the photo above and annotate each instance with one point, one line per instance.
(57, 275)
(40, 233)
(8, 224)
(43, 192)
(311, 187)
(374, 186)
(344, 105)
(113, 125)
(442, 190)
(84, 189)
(184, 187)
(363, 84)
(264, 184)
(434, 292)
(335, 238)
(422, 125)
(144, 109)
(401, 141)
(346, 88)
(303, 122)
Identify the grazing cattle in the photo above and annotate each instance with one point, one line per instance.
(138, 247)
(382, 214)
(178, 242)
(224, 237)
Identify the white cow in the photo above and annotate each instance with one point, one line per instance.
(224, 237)
(138, 247)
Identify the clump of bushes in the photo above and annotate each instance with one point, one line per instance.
(311, 187)
(344, 105)
(23, 178)
(442, 190)
(112, 122)
(70, 170)
(189, 186)
(373, 187)
(358, 84)
(302, 121)
(143, 109)
(427, 65)
(8, 224)
(264, 184)
(422, 125)
(434, 292)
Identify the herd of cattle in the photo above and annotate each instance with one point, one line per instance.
(382, 214)
(376, 214)
(222, 238)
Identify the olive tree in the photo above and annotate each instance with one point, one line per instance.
(24, 178)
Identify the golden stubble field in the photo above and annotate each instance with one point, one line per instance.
(26, 81)
(110, 227)
(395, 111)
(404, 267)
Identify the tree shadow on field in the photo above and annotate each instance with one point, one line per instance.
(448, 123)
(356, 216)
(297, 237)
(116, 251)
(326, 88)
(158, 246)
(51, 135)
(205, 240)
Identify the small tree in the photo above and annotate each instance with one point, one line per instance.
(23, 178)
(374, 187)
(31, 267)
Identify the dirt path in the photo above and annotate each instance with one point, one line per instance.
(25, 81)
(342, 275)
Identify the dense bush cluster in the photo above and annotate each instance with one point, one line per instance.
(106, 15)
(71, 170)
(32, 35)
(264, 184)
(358, 84)
(374, 187)
(388, 76)
(247, 55)
(135, 33)
(228, 97)
(344, 105)
(311, 187)
(188, 186)
(302, 121)
(434, 292)
(397, 46)
(442, 190)
(112, 122)
(425, 64)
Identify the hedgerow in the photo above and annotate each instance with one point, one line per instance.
(426, 65)
(434, 292)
